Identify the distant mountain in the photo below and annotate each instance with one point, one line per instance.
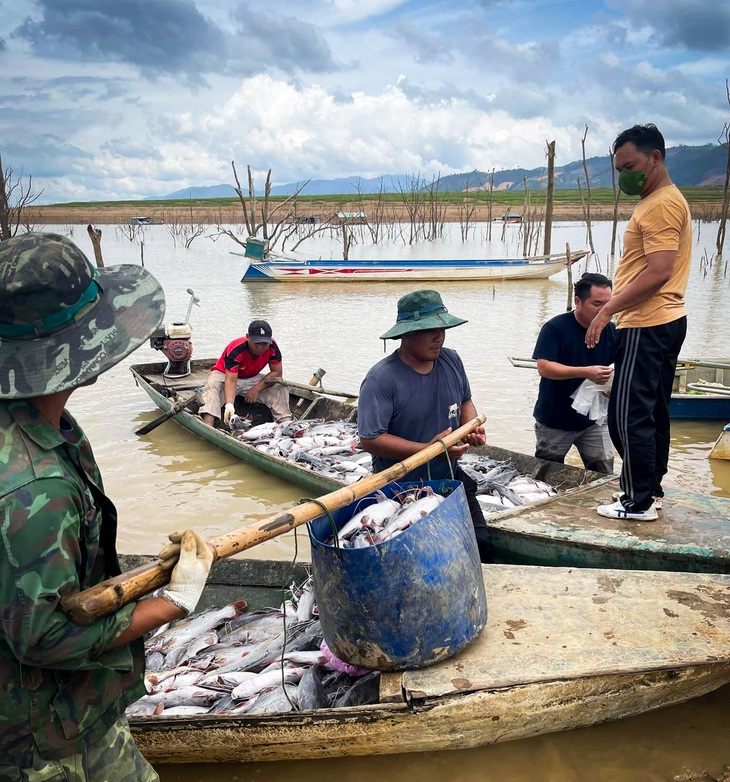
(688, 166)
(349, 186)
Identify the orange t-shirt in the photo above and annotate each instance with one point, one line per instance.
(661, 221)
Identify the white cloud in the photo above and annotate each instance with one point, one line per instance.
(340, 88)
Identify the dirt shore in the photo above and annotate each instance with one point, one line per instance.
(212, 214)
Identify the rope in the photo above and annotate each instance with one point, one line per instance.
(448, 460)
(329, 516)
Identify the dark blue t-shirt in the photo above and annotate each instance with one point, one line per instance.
(563, 339)
(397, 400)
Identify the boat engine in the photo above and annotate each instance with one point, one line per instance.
(173, 339)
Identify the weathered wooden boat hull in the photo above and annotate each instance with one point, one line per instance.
(699, 406)
(563, 648)
(288, 270)
(692, 533)
(692, 396)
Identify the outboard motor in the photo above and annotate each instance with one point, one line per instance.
(173, 339)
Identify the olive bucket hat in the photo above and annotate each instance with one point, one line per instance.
(62, 320)
(421, 311)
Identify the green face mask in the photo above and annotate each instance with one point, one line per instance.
(631, 182)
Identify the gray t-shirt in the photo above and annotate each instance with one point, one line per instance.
(397, 400)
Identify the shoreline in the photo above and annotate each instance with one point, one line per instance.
(210, 214)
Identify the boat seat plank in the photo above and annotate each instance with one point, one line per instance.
(563, 623)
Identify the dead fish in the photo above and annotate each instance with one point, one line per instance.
(264, 681)
(311, 693)
(365, 690)
(192, 696)
(185, 632)
(277, 700)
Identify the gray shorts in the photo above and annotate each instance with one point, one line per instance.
(594, 445)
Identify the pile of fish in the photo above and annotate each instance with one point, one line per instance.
(500, 485)
(232, 661)
(330, 448)
(386, 518)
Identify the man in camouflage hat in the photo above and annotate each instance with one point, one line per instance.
(65, 688)
(418, 393)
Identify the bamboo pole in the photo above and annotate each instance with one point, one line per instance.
(111, 595)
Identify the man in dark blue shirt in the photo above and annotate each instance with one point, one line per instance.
(418, 393)
(564, 362)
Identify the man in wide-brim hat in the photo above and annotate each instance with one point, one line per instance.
(62, 323)
(418, 393)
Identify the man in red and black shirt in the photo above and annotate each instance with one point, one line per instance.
(240, 371)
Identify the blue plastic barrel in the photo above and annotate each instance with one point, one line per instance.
(407, 602)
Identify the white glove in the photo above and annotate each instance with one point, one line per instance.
(189, 575)
(229, 410)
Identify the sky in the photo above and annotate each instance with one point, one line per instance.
(128, 99)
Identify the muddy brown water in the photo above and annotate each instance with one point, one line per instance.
(169, 479)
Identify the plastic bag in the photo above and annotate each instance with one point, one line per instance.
(590, 399)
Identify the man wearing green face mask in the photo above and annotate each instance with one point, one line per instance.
(649, 287)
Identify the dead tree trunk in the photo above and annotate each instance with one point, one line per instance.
(549, 197)
(587, 207)
(724, 139)
(569, 264)
(95, 236)
(489, 208)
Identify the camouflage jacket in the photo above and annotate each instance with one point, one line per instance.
(58, 689)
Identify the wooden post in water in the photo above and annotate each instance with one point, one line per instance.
(569, 264)
(549, 197)
(616, 192)
(489, 209)
(588, 196)
(95, 236)
(725, 210)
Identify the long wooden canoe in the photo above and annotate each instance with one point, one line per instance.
(164, 391)
(279, 269)
(563, 648)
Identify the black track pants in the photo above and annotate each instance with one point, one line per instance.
(638, 412)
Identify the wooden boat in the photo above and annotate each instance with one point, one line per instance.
(701, 388)
(278, 269)
(693, 533)
(165, 391)
(563, 648)
(721, 448)
(512, 217)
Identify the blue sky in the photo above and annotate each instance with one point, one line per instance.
(118, 99)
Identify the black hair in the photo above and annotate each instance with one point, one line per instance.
(646, 138)
(583, 287)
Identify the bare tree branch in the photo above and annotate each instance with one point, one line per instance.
(16, 195)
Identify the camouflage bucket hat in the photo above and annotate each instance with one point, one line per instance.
(421, 311)
(63, 321)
